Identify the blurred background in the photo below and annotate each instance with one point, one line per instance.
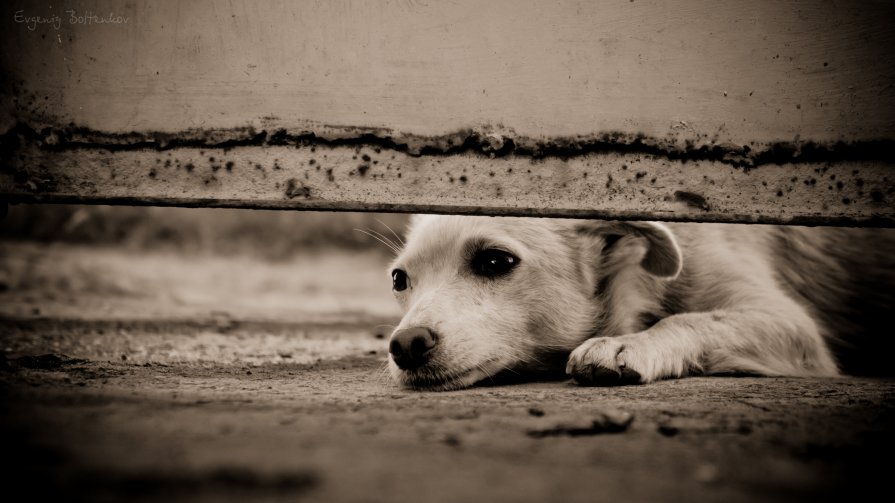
(263, 234)
(156, 284)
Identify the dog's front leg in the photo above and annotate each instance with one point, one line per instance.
(762, 342)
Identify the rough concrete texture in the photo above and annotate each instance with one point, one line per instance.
(822, 189)
(158, 377)
(732, 71)
(631, 110)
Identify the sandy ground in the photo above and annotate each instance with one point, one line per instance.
(165, 377)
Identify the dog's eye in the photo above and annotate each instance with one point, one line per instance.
(399, 280)
(491, 263)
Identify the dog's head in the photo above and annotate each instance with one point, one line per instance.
(482, 295)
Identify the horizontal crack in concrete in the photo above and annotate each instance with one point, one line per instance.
(467, 141)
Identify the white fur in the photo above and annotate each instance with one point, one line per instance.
(616, 301)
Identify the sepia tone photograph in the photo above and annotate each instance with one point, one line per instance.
(447, 250)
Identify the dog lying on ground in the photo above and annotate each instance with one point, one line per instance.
(633, 302)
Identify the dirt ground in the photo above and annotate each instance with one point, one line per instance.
(153, 376)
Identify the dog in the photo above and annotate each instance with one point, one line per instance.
(615, 302)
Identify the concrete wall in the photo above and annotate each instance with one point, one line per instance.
(777, 111)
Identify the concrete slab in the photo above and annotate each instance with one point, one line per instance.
(112, 391)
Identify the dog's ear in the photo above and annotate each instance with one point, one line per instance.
(663, 255)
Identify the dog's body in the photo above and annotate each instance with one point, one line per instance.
(615, 302)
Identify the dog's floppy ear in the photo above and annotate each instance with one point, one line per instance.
(663, 256)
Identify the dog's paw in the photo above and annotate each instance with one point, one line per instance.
(608, 361)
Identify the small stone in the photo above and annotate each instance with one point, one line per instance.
(575, 426)
(668, 430)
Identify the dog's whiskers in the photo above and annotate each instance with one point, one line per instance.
(391, 245)
(392, 231)
(529, 359)
(482, 369)
(382, 375)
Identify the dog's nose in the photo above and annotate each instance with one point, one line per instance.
(412, 347)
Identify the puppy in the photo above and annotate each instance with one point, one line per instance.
(632, 302)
